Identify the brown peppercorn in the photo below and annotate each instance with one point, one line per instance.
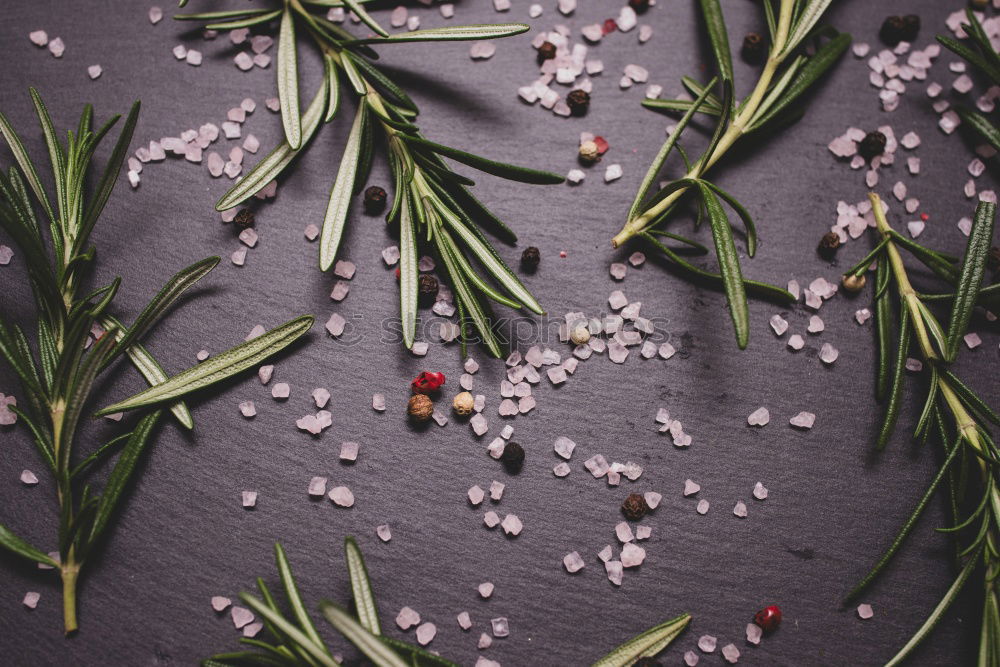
(578, 102)
(634, 507)
(513, 456)
(420, 408)
(546, 51)
(896, 29)
(244, 218)
(911, 27)
(979, 4)
(639, 6)
(530, 259)
(375, 198)
(853, 283)
(463, 404)
(828, 245)
(872, 145)
(754, 49)
(427, 290)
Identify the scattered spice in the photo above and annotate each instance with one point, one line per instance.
(513, 456)
(768, 618)
(754, 49)
(828, 245)
(896, 29)
(589, 152)
(639, 7)
(530, 259)
(853, 283)
(420, 408)
(244, 218)
(578, 102)
(635, 507)
(872, 145)
(546, 51)
(463, 404)
(427, 290)
(375, 198)
(427, 382)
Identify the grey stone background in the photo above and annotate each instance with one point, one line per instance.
(184, 536)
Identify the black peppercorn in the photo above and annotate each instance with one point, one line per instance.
(375, 200)
(546, 51)
(530, 259)
(513, 456)
(427, 290)
(578, 102)
(244, 218)
(634, 507)
(828, 245)
(872, 145)
(896, 29)
(639, 6)
(754, 48)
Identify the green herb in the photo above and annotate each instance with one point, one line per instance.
(773, 103)
(295, 641)
(980, 53)
(62, 376)
(952, 413)
(432, 206)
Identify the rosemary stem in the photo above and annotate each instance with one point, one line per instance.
(70, 572)
(748, 110)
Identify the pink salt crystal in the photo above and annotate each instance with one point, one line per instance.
(632, 555)
(38, 37)
(479, 424)
(249, 237)
(232, 170)
(485, 641)
(348, 451)
(28, 478)
(264, 373)
(740, 509)
(94, 71)
(491, 519)
(759, 491)
(803, 420)
(31, 599)
(618, 271)
(560, 469)
(57, 48)
(247, 409)
(243, 61)
(344, 269)
(341, 496)
(815, 325)
(759, 417)
(828, 353)
(496, 490)
(754, 633)
(652, 499)
(476, 495)
(464, 620)
(249, 499)
(317, 487)
(310, 424)
(597, 465)
(260, 44)
(865, 611)
(180, 52)
(691, 659)
(280, 391)
(913, 365)
(623, 532)
(573, 562)
(691, 488)
(730, 653)
(425, 633)
(862, 316)
(707, 643)
(615, 571)
(336, 324)
(636, 259)
(311, 232)
(215, 164)
(220, 603)
(643, 532)
(512, 525)
(193, 57)
(702, 507)
(778, 324)
(795, 342)
(239, 35)
(273, 104)
(972, 340)
(378, 402)
(239, 256)
(251, 630)
(666, 350)
(241, 616)
(407, 618)
(133, 179)
(485, 590)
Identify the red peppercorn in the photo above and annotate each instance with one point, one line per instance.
(602, 145)
(609, 26)
(925, 217)
(427, 382)
(768, 618)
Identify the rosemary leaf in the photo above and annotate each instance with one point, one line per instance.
(408, 274)
(294, 599)
(450, 34)
(361, 587)
(26, 165)
(245, 22)
(501, 169)
(366, 642)
(741, 211)
(340, 193)
(656, 638)
(317, 652)
(288, 81)
(15, 544)
(971, 277)
(333, 88)
(729, 265)
(275, 162)
(807, 19)
(365, 17)
(896, 388)
(980, 124)
(719, 36)
(217, 368)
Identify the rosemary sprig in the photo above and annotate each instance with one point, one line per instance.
(952, 413)
(294, 639)
(980, 53)
(788, 73)
(61, 380)
(432, 204)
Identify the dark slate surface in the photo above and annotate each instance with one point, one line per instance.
(184, 536)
